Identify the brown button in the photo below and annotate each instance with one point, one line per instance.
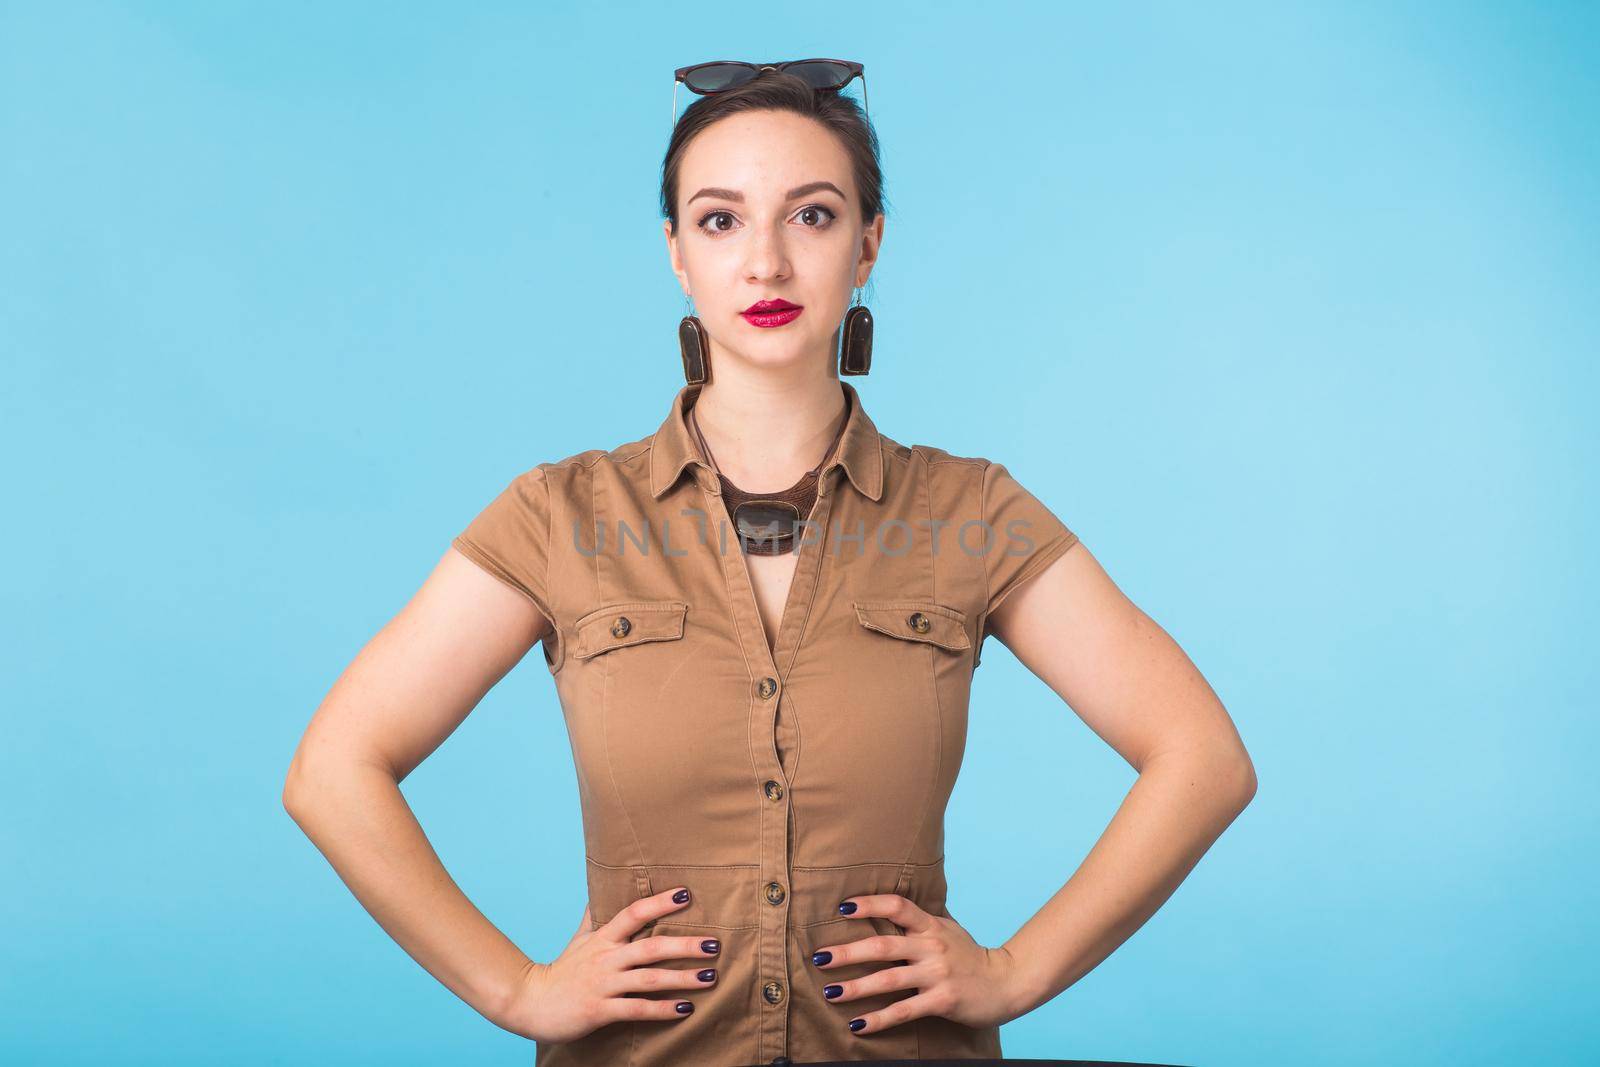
(621, 627)
(919, 622)
(774, 893)
(774, 790)
(772, 991)
(767, 687)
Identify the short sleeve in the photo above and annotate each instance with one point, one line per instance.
(510, 538)
(1024, 536)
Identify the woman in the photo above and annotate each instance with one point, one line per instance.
(767, 715)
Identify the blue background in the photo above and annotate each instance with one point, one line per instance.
(1289, 310)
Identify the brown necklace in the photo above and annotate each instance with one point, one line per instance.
(767, 522)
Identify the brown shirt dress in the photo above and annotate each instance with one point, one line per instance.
(774, 782)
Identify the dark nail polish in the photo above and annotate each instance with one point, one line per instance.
(681, 897)
(856, 1025)
(831, 991)
(710, 944)
(847, 908)
(684, 1007)
(708, 975)
(821, 956)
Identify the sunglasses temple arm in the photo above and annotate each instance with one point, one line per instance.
(674, 103)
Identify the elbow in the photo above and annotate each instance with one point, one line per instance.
(293, 792)
(299, 787)
(1242, 774)
(322, 782)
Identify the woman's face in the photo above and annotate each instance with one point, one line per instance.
(768, 210)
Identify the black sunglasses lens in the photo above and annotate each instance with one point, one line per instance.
(715, 77)
(820, 74)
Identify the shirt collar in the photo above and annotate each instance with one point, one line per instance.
(860, 450)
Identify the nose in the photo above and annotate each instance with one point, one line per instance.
(766, 255)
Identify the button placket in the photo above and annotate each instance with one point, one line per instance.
(772, 914)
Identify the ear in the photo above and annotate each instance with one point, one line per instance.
(673, 257)
(871, 244)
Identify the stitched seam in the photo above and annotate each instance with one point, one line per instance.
(983, 568)
(983, 511)
(677, 866)
(926, 639)
(927, 501)
(1041, 559)
(605, 709)
(573, 461)
(632, 605)
(864, 866)
(805, 620)
(826, 504)
(628, 642)
(927, 795)
(793, 822)
(585, 623)
(731, 614)
(549, 551)
(938, 736)
(955, 614)
(473, 551)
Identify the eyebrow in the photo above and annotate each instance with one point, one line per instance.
(738, 197)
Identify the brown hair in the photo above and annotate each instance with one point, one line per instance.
(777, 91)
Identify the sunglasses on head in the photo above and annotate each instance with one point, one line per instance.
(720, 75)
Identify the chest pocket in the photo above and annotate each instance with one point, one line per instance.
(635, 622)
(916, 620)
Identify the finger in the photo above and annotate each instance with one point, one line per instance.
(653, 979)
(901, 911)
(884, 980)
(897, 1014)
(623, 1009)
(892, 947)
(656, 949)
(630, 920)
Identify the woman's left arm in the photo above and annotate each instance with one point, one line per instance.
(1137, 689)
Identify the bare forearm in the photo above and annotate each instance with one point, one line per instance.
(358, 818)
(1176, 809)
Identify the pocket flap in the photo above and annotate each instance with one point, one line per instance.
(631, 623)
(916, 620)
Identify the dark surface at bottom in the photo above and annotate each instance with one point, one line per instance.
(784, 1061)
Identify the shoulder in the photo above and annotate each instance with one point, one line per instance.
(629, 460)
(939, 467)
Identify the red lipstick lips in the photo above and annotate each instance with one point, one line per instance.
(769, 313)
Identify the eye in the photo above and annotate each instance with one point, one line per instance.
(812, 210)
(708, 216)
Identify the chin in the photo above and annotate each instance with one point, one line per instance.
(773, 360)
(777, 351)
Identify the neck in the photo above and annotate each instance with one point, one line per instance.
(765, 427)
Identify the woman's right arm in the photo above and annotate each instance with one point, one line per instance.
(396, 702)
